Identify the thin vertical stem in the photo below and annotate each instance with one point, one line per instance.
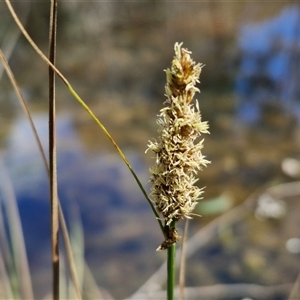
(52, 155)
(171, 268)
(183, 261)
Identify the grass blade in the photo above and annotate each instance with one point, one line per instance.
(5, 261)
(16, 235)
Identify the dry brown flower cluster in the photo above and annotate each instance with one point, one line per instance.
(178, 154)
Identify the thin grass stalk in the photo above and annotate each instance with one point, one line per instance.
(5, 248)
(64, 282)
(16, 236)
(69, 253)
(5, 285)
(11, 37)
(77, 244)
(171, 271)
(85, 106)
(6, 262)
(52, 154)
(203, 236)
(32, 43)
(62, 221)
(171, 267)
(24, 107)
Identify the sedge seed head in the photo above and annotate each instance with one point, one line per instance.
(178, 149)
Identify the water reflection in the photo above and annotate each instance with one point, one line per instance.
(269, 66)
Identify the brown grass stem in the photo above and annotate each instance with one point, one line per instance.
(53, 154)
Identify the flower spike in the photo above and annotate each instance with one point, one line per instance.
(178, 154)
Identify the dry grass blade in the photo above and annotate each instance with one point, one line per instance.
(24, 107)
(16, 236)
(77, 244)
(35, 47)
(52, 155)
(11, 37)
(69, 253)
(5, 262)
(5, 286)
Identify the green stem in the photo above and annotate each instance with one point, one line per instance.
(171, 268)
(122, 155)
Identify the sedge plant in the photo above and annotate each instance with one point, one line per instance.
(178, 154)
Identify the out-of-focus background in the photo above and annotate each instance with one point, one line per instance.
(114, 54)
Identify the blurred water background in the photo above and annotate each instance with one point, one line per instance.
(114, 54)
